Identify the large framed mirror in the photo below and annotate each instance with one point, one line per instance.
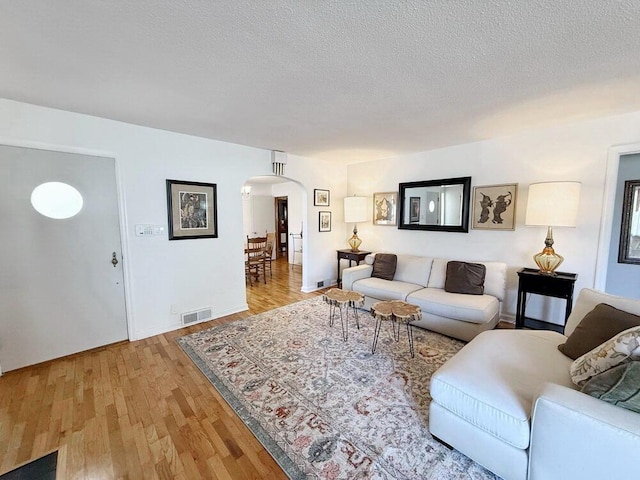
(629, 251)
(436, 205)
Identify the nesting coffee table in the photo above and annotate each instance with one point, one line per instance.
(396, 311)
(343, 299)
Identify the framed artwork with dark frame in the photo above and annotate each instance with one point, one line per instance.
(320, 197)
(385, 207)
(494, 207)
(629, 249)
(324, 221)
(192, 209)
(414, 209)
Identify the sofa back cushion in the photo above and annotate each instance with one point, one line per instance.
(413, 269)
(495, 279)
(409, 268)
(384, 266)
(464, 277)
(587, 301)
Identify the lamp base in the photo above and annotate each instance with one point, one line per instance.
(548, 260)
(354, 243)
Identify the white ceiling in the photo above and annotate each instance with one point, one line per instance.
(349, 80)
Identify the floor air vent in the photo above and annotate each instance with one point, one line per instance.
(197, 316)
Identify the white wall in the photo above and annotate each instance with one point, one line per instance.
(572, 152)
(186, 274)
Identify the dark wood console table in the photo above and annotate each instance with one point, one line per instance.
(352, 256)
(559, 285)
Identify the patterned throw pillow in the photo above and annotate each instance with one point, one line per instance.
(621, 348)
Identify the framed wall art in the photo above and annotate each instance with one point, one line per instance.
(385, 208)
(414, 209)
(320, 198)
(192, 209)
(324, 221)
(494, 207)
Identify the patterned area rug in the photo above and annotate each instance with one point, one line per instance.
(329, 409)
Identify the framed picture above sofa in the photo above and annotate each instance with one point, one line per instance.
(385, 206)
(494, 207)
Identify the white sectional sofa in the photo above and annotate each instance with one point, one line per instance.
(420, 281)
(507, 401)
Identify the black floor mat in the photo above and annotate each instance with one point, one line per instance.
(43, 468)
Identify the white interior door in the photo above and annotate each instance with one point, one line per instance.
(59, 291)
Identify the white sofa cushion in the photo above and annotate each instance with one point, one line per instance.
(384, 289)
(458, 306)
(413, 269)
(410, 268)
(494, 281)
(497, 395)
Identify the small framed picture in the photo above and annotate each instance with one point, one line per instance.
(384, 208)
(494, 207)
(320, 198)
(192, 209)
(414, 209)
(324, 221)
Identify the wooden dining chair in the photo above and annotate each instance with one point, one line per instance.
(268, 251)
(255, 261)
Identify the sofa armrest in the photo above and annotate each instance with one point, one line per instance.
(351, 274)
(575, 436)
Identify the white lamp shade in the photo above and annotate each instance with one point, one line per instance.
(553, 204)
(355, 209)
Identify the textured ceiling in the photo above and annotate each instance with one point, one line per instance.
(340, 79)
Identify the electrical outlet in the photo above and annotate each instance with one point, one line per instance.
(320, 284)
(174, 309)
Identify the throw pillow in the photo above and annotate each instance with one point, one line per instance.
(597, 326)
(384, 266)
(464, 277)
(619, 385)
(619, 349)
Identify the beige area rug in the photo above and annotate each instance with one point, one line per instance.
(329, 409)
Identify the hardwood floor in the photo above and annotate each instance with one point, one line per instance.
(136, 410)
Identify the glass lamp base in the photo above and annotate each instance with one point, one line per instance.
(354, 243)
(548, 260)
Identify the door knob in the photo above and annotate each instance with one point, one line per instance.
(114, 260)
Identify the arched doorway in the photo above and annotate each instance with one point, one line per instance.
(277, 205)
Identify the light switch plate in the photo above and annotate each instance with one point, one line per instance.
(144, 230)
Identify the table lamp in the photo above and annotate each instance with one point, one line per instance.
(355, 210)
(552, 204)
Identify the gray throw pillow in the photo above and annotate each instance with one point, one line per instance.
(464, 277)
(384, 266)
(619, 386)
(597, 326)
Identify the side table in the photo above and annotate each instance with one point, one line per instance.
(337, 298)
(352, 256)
(559, 285)
(396, 311)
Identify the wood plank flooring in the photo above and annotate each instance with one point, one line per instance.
(137, 410)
